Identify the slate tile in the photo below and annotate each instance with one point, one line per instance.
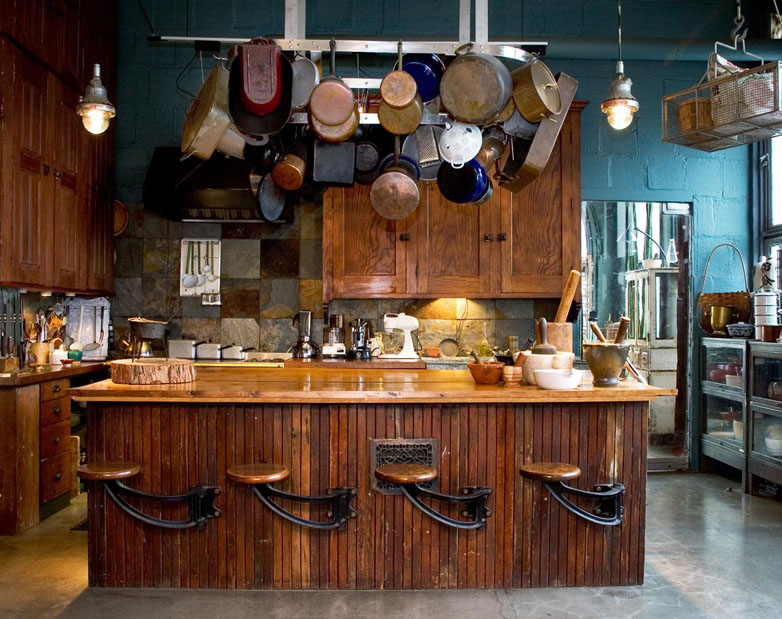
(514, 308)
(242, 332)
(522, 327)
(311, 295)
(192, 308)
(127, 297)
(135, 227)
(157, 257)
(155, 226)
(311, 220)
(207, 329)
(239, 298)
(242, 231)
(546, 308)
(277, 335)
(279, 258)
(241, 258)
(310, 259)
(202, 230)
(130, 257)
(279, 298)
(160, 298)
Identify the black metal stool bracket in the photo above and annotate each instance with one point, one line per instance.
(608, 509)
(200, 502)
(473, 498)
(338, 499)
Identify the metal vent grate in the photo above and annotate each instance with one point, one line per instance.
(402, 450)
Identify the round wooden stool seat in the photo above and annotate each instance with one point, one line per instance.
(550, 471)
(402, 473)
(105, 471)
(257, 473)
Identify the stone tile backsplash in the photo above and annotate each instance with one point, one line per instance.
(268, 272)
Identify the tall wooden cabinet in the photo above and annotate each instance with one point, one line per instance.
(55, 178)
(515, 245)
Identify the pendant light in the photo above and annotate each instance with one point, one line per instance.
(620, 104)
(94, 107)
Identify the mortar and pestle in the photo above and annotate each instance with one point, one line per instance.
(543, 356)
(607, 359)
(560, 332)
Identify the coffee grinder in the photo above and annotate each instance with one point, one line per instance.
(334, 338)
(359, 340)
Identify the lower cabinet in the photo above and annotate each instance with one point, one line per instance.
(515, 245)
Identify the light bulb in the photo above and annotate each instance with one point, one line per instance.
(95, 121)
(619, 116)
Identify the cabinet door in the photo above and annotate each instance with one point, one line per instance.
(69, 210)
(27, 231)
(454, 246)
(33, 24)
(100, 213)
(542, 224)
(364, 254)
(68, 40)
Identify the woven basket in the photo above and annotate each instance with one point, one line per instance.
(694, 114)
(739, 300)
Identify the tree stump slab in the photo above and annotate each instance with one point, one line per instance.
(152, 371)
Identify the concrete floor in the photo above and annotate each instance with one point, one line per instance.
(711, 552)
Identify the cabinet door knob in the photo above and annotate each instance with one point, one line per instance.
(57, 174)
(57, 411)
(502, 236)
(56, 389)
(404, 236)
(488, 238)
(56, 440)
(57, 476)
(46, 169)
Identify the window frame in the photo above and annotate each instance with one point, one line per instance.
(769, 234)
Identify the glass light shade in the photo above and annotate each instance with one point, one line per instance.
(96, 121)
(620, 105)
(94, 107)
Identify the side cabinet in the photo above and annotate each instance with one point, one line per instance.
(56, 208)
(515, 245)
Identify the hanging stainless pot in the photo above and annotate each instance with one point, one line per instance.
(367, 162)
(535, 91)
(257, 129)
(305, 77)
(475, 88)
(207, 125)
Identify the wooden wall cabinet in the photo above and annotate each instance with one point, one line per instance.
(515, 245)
(55, 178)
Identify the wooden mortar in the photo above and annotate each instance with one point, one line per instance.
(560, 334)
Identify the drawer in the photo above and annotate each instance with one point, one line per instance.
(55, 476)
(55, 411)
(56, 438)
(54, 389)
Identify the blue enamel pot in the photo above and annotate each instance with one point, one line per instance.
(426, 69)
(463, 185)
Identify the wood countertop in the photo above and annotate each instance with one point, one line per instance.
(354, 364)
(289, 386)
(30, 377)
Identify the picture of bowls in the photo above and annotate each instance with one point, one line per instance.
(740, 330)
(558, 379)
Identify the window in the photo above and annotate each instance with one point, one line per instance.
(772, 181)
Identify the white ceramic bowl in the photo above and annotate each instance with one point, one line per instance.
(558, 379)
(652, 263)
(738, 430)
(733, 380)
(774, 446)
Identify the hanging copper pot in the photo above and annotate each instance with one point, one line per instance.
(535, 91)
(332, 102)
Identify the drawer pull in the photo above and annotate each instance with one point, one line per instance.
(56, 389)
(57, 411)
(57, 476)
(56, 440)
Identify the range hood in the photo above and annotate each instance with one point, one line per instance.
(218, 189)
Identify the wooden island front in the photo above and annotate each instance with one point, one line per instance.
(325, 426)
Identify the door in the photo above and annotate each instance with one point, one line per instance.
(69, 210)
(363, 254)
(541, 225)
(454, 246)
(27, 237)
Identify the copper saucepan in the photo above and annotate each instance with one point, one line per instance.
(535, 91)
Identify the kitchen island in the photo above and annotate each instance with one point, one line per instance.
(332, 429)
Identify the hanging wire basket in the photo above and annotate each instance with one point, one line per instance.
(740, 108)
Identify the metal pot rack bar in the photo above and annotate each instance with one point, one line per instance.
(295, 40)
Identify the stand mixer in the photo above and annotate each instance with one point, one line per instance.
(407, 324)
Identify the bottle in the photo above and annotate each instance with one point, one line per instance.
(671, 256)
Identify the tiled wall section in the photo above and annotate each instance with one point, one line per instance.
(268, 272)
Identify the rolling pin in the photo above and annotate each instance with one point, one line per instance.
(560, 332)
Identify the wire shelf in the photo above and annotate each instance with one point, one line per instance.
(738, 109)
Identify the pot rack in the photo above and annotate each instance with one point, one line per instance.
(295, 40)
